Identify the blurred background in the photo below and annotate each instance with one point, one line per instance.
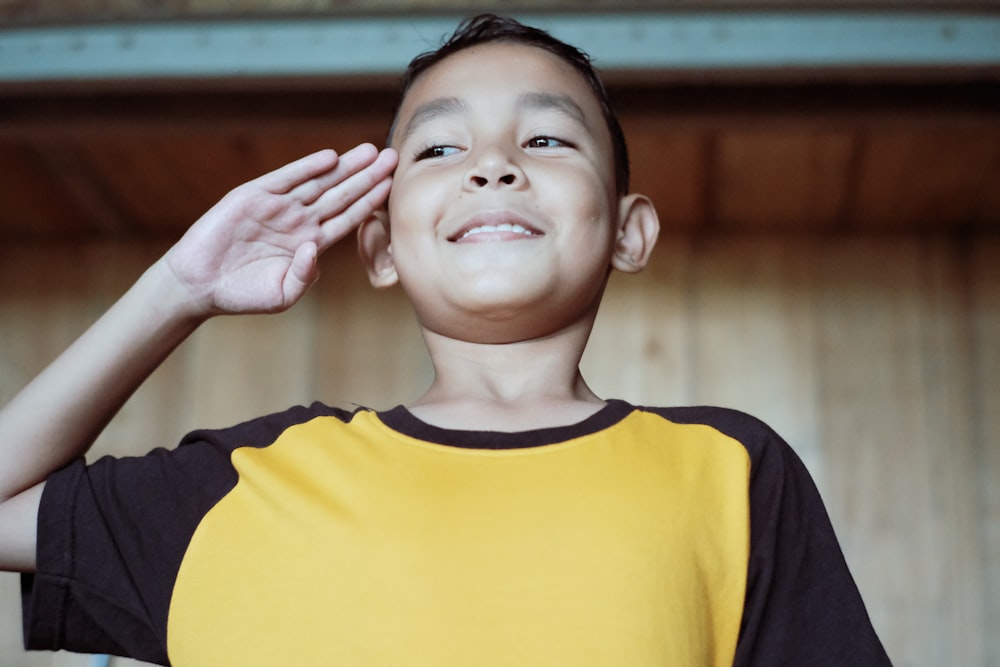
(827, 176)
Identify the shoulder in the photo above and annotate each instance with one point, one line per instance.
(755, 435)
(264, 430)
(202, 460)
(729, 421)
(772, 460)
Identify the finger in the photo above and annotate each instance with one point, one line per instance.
(341, 224)
(351, 189)
(286, 178)
(348, 164)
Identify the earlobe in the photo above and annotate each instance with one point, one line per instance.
(376, 251)
(638, 229)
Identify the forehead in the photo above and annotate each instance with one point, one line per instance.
(487, 75)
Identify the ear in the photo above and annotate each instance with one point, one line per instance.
(638, 229)
(376, 250)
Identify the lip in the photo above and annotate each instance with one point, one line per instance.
(512, 224)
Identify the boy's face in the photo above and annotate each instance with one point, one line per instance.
(503, 205)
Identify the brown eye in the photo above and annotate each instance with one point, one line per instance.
(435, 151)
(546, 142)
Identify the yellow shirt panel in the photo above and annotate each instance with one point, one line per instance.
(353, 544)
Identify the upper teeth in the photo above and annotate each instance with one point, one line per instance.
(504, 227)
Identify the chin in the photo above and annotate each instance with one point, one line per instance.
(500, 324)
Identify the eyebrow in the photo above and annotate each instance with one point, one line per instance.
(436, 108)
(448, 106)
(549, 101)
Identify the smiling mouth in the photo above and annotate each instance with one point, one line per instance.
(500, 227)
(505, 228)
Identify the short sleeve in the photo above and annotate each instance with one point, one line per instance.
(802, 605)
(108, 548)
(112, 536)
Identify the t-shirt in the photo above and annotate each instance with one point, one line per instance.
(319, 536)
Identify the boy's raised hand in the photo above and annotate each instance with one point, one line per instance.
(256, 250)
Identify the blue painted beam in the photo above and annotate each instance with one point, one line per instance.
(619, 42)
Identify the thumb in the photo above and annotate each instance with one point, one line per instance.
(302, 272)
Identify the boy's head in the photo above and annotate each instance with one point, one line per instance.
(508, 207)
(488, 28)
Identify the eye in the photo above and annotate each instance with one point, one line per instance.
(544, 141)
(434, 152)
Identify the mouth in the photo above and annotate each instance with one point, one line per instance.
(495, 226)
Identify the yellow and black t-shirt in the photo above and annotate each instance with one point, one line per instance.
(640, 536)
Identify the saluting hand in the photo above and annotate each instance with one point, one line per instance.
(255, 251)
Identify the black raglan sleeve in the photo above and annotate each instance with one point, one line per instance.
(802, 605)
(112, 536)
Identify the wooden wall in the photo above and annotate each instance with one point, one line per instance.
(877, 357)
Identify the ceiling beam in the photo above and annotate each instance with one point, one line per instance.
(650, 44)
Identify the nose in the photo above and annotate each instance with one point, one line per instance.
(494, 168)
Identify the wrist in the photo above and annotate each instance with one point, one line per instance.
(168, 300)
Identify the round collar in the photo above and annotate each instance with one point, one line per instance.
(402, 420)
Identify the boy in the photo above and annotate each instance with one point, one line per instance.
(508, 515)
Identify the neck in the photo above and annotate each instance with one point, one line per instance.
(510, 386)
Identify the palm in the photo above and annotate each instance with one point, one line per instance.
(255, 250)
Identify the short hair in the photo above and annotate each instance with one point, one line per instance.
(486, 28)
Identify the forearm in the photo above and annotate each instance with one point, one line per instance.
(56, 417)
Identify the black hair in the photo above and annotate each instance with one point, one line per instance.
(486, 28)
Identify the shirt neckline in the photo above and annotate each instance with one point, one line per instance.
(401, 420)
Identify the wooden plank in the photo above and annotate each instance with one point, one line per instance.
(985, 322)
(638, 350)
(930, 179)
(752, 334)
(46, 301)
(870, 406)
(35, 317)
(987, 200)
(949, 426)
(792, 179)
(896, 424)
(242, 367)
(153, 194)
(48, 295)
(290, 139)
(84, 188)
(156, 162)
(370, 351)
(669, 166)
(165, 181)
(35, 202)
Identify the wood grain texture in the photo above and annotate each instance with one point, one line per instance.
(874, 414)
(783, 179)
(876, 357)
(793, 159)
(984, 313)
(932, 179)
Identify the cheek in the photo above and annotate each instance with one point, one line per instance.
(588, 185)
(413, 195)
(589, 201)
